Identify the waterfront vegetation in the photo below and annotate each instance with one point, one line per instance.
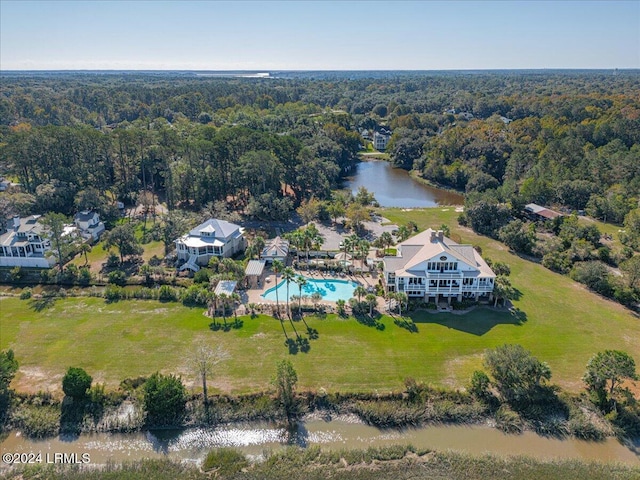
(385, 463)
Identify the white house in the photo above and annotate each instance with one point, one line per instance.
(213, 238)
(22, 244)
(89, 225)
(275, 249)
(434, 267)
(381, 138)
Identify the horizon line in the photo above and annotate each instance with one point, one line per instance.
(309, 69)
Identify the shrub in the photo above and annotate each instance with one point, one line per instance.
(508, 421)
(167, 294)
(84, 276)
(202, 276)
(594, 275)
(226, 461)
(145, 293)
(38, 421)
(118, 277)
(25, 294)
(76, 382)
(480, 383)
(113, 293)
(130, 384)
(17, 274)
(195, 295)
(164, 400)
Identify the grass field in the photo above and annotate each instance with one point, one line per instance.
(97, 256)
(559, 321)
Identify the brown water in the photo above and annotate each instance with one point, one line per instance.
(394, 187)
(254, 439)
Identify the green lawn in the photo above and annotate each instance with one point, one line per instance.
(98, 256)
(559, 320)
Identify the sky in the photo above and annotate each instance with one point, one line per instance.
(318, 35)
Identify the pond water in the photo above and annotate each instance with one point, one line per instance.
(253, 439)
(331, 290)
(394, 187)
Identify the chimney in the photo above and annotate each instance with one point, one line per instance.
(433, 236)
(440, 235)
(16, 222)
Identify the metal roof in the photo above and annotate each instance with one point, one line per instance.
(225, 286)
(255, 267)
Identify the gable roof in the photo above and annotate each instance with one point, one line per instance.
(542, 211)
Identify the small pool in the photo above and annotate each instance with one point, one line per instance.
(331, 290)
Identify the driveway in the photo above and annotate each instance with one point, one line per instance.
(334, 234)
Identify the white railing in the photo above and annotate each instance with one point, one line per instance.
(33, 262)
(191, 263)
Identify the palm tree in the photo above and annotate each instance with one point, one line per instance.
(224, 299)
(85, 248)
(277, 267)
(359, 292)
(145, 270)
(301, 281)
(258, 245)
(295, 240)
(316, 237)
(350, 243)
(401, 297)
(213, 306)
(403, 233)
(386, 240)
(288, 275)
(371, 300)
(363, 248)
(235, 298)
(503, 290)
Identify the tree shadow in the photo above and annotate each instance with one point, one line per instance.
(406, 323)
(42, 303)
(292, 345)
(478, 322)
(373, 321)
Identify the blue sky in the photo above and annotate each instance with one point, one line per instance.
(303, 35)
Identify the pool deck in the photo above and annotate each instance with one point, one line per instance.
(254, 295)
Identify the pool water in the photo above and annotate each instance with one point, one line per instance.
(331, 290)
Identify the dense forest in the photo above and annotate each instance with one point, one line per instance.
(263, 146)
(569, 139)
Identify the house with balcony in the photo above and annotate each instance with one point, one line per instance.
(89, 225)
(434, 268)
(381, 138)
(23, 244)
(213, 238)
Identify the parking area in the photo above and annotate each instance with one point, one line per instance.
(333, 234)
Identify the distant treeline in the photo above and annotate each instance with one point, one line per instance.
(566, 138)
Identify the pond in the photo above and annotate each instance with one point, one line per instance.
(394, 187)
(192, 445)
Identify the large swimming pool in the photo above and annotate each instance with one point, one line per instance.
(331, 290)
